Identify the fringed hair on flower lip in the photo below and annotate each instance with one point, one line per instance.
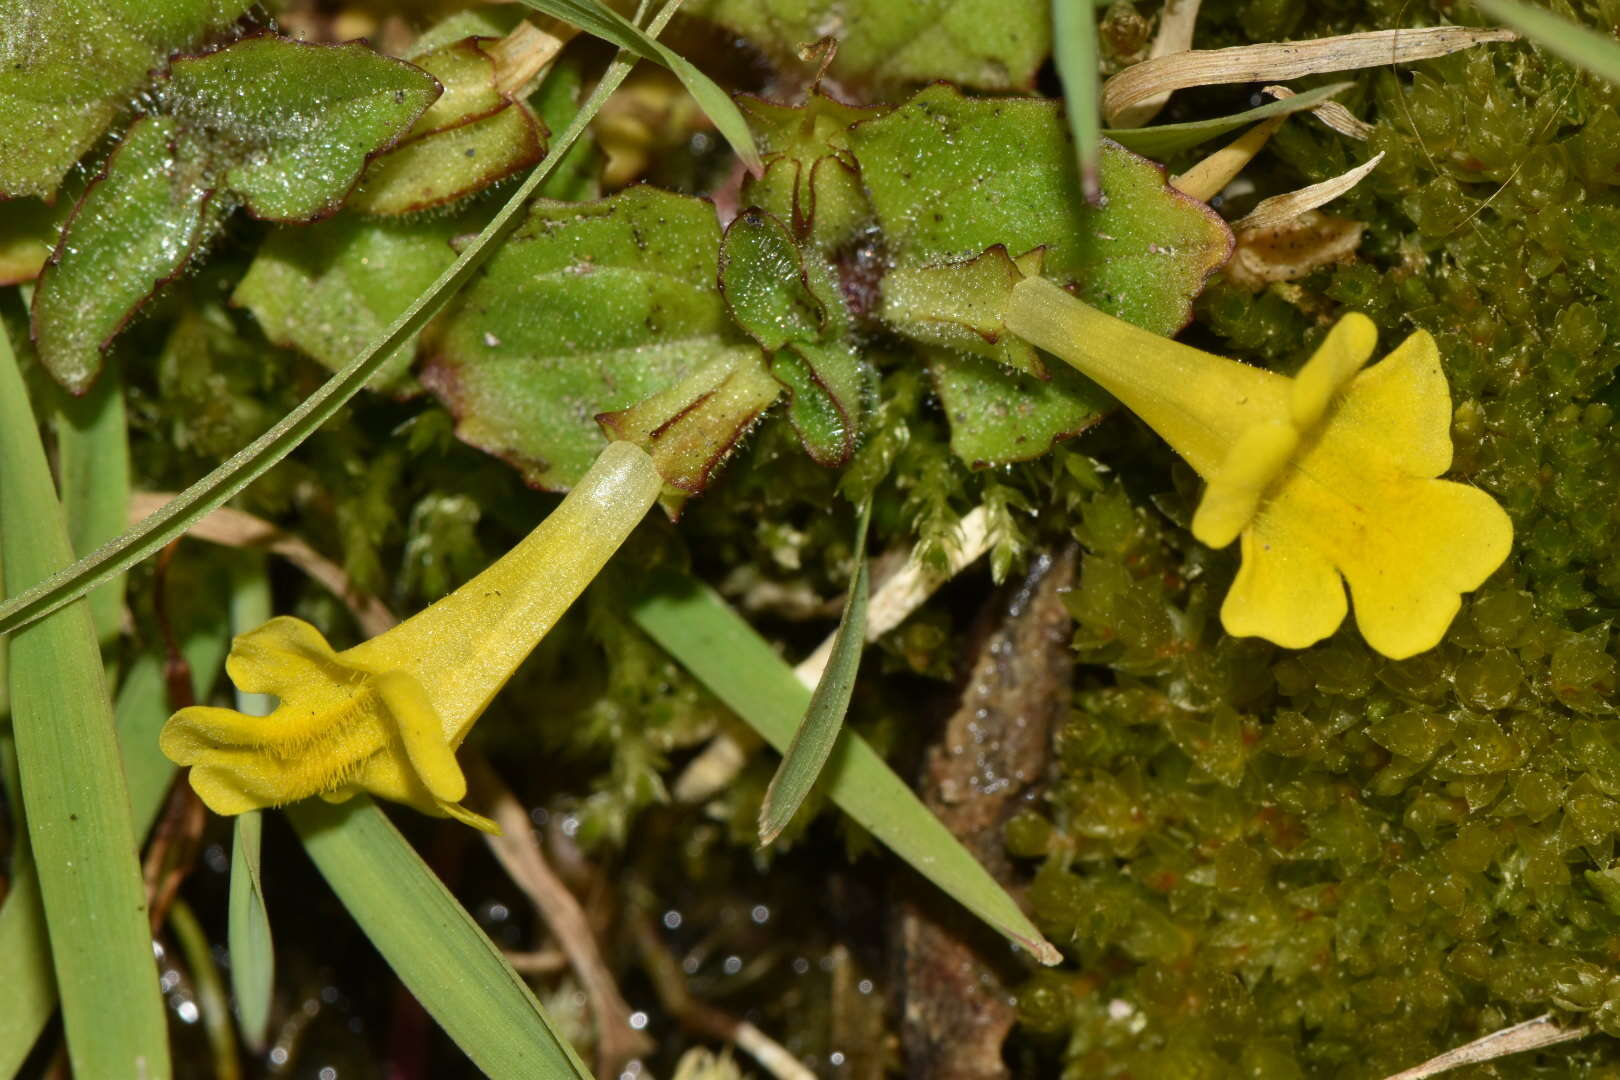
(387, 715)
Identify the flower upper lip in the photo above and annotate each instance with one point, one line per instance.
(1329, 478)
(387, 715)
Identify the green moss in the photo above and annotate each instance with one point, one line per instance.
(1325, 863)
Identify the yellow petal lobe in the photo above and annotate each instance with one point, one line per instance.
(1234, 493)
(1285, 591)
(1348, 346)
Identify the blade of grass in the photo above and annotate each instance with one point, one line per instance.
(27, 987)
(253, 461)
(74, 795)
(1580, 45)
(602, 21)
(715, 644)
(430, 941)
(252, 949)
(1166, 139)
(212, 1002)
(1074, 51)
(813, 741)
(92, 460)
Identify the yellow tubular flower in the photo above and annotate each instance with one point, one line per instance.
(387, 715)
(1327, 478)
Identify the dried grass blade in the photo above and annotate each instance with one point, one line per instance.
(1331, 113)
(1280, 61)
(1535, 1034)
(1175, 35)
(1282, 208)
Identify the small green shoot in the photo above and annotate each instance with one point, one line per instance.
(813, 741)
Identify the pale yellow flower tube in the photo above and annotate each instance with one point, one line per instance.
(387, 715)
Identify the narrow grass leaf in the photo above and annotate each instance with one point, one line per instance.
(1166, 139)
(27, 987)
(1074, 51)
(213, 1003)
(1580, 45)
(813, 742)
(252, 949)
(92, 460)
(258, 457)
(602, 21)
(74, 796)
(699, 629)
(430, 941)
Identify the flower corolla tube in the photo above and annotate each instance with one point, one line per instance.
(387, 715)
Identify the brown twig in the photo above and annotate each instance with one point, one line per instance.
(518, 851)
(701, 1018)
(177, 839)
(236, 528)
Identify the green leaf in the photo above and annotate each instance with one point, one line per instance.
(823, 721)
(984, 44)
(472, 137)
(701, 630)
(1074, 51)
(1580, 45)
(762, 278)
(254, 460)
(589, 309)
(1166, 139)
(329, 288)
(951, 177)
(290, 126)
(77, 806)
(811, 181)
(300, 121)
(74, 66)
(252, 950)
(959, 305)
(133, 231)
(789, 302)
(998, 415)
(92, 459)
(431, 942)
(602, 21)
